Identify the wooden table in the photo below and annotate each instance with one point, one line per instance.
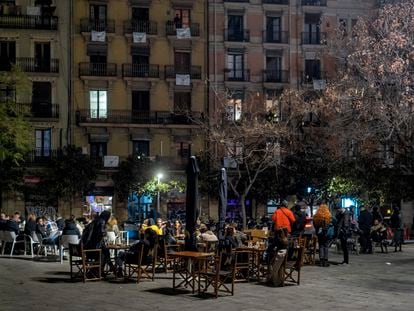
(189, 272)
(255, 263)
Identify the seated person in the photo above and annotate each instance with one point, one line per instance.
(30, 226)
(178, 230)
(112, 225)
(153, 226)
(161, 225)
(71, 228)
(12, 224)
(378, 232)
(3, 221)
(206, 235)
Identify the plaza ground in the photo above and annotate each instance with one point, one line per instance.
(371, 282)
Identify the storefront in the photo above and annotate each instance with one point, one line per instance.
(98, 200)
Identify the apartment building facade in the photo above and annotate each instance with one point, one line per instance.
(138, 84)
(34, 35)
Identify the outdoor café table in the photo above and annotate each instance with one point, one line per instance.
(255, 263)
(117, 247)
(190, 270)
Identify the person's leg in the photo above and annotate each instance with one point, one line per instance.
(344, 247)
(368, 242)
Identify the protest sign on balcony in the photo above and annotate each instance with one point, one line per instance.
(98, 36)
(183, 33)
(182, 79)
(139, 37)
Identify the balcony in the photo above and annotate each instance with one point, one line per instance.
(97, 70)
(236, 36)
(313, 38)
(171, 71)
(137, 117)
(31, 64)
(29, 22)
(38, 110)
(242, 75)
(285, 2)
(140, 71)
(41, 156)
(171, 29)
(308, 78)
(149, 27)
(314, 2)
(276, 37)
(107, 25)
(277, 76)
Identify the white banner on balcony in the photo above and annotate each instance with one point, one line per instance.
(182, 80)
(319, 84)
(183, 33)
(139, 37)
(33, 10)
(98, 36)
(111, 161)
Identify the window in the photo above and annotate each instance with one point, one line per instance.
(234, 106)
(235, 66)
(98, 150)
(182, 62)
(274, 68)
(183, 149)
(7, 54)
(97, 12)
(140, 14)
(312, 29)
(235, 151)
(312, 70)
(182, 101)
(182, 18)
(98, 59)
(343, 26)
(273, 106)
(42, 56)
(98, 104)
(43, 142)
(42, 99)
(7, 93)
(140, 100)
(141, 148)
(273, 29)
(235, 27)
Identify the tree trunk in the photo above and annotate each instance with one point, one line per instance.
(242, 201)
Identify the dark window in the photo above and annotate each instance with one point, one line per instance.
(140, 14)
(98, 59)
(7, 54)
(141, 148)
(182, 61)
(235, 66)
(312, 29)
(182, 18)
(182, 149)
(312, 69)
(43, 142)
(140, 59)
(273, 29)
(42, 99)
(274, 68)
(97, 12)
(98, 150)
(42, 56)
(235, 27)
(182, 101)
(140, 100)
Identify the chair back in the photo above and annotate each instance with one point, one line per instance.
(65, 240)
(1, 235)
(9, 236)
(75, 250)
(111, 237)
(35, 237)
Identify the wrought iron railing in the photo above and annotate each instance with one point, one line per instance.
(171, 71)
(278, 76)
(29, 22)
(171, 29)
(140, 71)
(149, 27)
(98, 69)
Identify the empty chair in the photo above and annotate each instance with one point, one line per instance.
(87, 263)
(64, 242)
(33, 240)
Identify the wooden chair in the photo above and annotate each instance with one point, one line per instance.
(148, 267)
(219, 279)
(86, 261)
(310, 250)
(163, 251)
(243, 265)
(294, 267)
(133, 264)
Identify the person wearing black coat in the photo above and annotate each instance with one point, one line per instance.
(30, 226)
(70, 228)
(343, 231)
(365, 222)
(396, 226)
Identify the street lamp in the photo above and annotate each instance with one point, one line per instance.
(159, 176)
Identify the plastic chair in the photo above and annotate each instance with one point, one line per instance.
(64, 242)
(10, 237)
(111, 237)
(33, 240)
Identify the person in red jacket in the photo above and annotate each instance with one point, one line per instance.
(283, 218)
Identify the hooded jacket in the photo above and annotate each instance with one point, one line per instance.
(92, 237)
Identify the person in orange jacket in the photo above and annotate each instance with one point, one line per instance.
(283, 217)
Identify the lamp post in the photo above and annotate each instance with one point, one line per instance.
(159, 176)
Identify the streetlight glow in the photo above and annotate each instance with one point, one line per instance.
(159, 176)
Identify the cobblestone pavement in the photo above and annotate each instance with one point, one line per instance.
(371, 282)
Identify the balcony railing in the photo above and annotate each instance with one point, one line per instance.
(171, 71)
(98, 69)
(87, 25)
(42, 156)
(237, 75)
(314, 2)
(276, 1)
(278, 76)
(38, 110)
(236, 36)
(171, 29)
(307, 78)
(32, 64)
(137, 117)
(314, 38)
(29, 22)
(140, 71)
(275, 37)
(149, 27)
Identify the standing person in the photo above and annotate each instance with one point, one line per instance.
(395, 224)
(93, 238)
(300, 220)
(321, 221)
(283, 218)
(343, 231)
(365, 222)
(376, 215)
